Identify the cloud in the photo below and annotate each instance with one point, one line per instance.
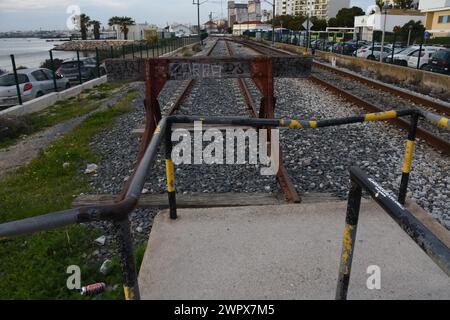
(53, 5)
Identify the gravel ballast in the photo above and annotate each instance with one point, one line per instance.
(317, 160)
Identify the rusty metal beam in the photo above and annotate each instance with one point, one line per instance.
(206, 67)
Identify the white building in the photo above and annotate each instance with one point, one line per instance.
(322, 9)
(211, 27)
(135, 32)
(238, 29)
(366, 25)
(266, 15)
(437, 16)
(237, 12)
(254, 10)
(240, 12)
(180, 30)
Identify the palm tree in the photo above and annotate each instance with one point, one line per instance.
(379, 3)
(84, 22)
(96, 26)
(123, 22)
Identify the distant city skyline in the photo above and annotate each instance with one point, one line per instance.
(24, 15)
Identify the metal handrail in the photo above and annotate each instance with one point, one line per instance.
(421, 235)
(118, 213)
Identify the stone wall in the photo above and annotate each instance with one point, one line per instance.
(424, 80)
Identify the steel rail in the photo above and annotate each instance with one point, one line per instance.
(187, 87)
(119, 212)
(424, 101)
(285, 181)
(435, 141)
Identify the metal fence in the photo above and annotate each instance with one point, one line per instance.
(319, 43)
(136, 50)
(119, 212)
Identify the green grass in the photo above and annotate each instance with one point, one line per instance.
(61, 111)
(34, 267)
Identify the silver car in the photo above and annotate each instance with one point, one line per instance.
(33, 83)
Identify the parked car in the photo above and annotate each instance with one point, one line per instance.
(425, 55)
(401, 57)
(346, 48)
(367, 53)
(88, 69)
(439, 62)
(33, 83)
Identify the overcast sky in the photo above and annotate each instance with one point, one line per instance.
(52, 14)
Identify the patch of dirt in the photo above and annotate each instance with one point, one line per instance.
(23, 152)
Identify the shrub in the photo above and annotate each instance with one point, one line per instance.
(48, 64)
(11, 127)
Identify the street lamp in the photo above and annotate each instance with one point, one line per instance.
(273, 20)
(385, 8)
(281, 30)
(409, 33)
(198, 3)
(308, 14)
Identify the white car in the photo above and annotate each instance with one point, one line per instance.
(425, 55)
(366, 52)
(33, 83)
(402, 57)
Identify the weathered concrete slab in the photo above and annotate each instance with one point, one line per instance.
(282, 252)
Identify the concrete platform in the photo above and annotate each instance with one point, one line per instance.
(282, 252)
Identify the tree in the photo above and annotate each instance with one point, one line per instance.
(290, 22)
(379, 3)
(417, 30)
(48, 63)
(346, 17)
(333, 22)
(96, 26)
(404, 4)
(318, 24)
(123, 22)
(84, 22)
(397, 29)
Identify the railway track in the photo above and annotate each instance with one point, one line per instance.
(283, 178)
(316, 159)
(373, 97)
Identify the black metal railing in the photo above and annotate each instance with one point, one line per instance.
(421, 235)
(153, 49)
(119, 212)
(348, 45)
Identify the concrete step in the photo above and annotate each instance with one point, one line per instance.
(283, 252)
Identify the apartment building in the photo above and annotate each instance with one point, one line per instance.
(241, 12)
(323, 9)
(437, 20)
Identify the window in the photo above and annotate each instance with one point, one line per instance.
(9, 79)
(49, 74)
(414, 54)
(444, 19)
(39, 75)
